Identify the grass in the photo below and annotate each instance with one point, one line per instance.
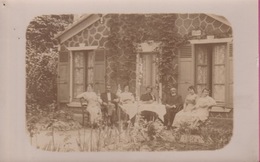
(142, 136)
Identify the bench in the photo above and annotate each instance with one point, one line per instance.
(221, 112)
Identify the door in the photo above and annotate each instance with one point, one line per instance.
(149, 73)
(203, 68)
(211, 70)
(185, 70)
(88, 68)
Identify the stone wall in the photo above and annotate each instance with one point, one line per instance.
(94, 35)
(185, 23)
(97, 35)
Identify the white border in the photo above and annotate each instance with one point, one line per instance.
(16, 15)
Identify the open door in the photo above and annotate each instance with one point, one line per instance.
(149, 72)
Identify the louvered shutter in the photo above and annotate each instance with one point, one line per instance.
(185, 69)
(230, 76)
(99, 71)
(63, 76)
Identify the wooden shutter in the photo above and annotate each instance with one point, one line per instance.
(63, 76)
(185, 70)
(99, 71)
(229, 102)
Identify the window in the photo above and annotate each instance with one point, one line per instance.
(211, 69)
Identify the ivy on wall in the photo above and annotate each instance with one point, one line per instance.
(129, 30)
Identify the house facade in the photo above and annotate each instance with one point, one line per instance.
(205, 61)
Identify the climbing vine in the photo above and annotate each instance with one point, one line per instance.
(129, 30)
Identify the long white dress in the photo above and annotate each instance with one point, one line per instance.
(203, 104)
(93, 106)
(127, 97)
(185, 115)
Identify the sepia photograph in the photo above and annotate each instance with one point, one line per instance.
(129, 82)
(167, 80)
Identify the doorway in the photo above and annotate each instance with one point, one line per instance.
(88, 67)
(210, 69)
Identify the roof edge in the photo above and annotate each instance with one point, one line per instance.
(216, 17)
(72, 25)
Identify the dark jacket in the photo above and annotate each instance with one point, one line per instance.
(147, 97)
(104, 97)
(174, 100)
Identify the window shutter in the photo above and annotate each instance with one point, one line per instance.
(63, 76)
(230, 49)
(185, 69)
(230, 76)
(99, 71)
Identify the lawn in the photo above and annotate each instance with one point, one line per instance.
(59, 132)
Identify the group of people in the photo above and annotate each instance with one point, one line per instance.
(106, 104)
(193, 111)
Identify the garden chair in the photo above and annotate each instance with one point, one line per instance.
(85, 113)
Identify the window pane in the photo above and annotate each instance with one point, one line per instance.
(219, 74)
(78, 73)
(79, 59)
(202, 57)
(219, 54)
(78, 76)
(219, 92)
(202, 74)
(78, 89)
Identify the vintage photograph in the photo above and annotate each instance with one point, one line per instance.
(129, 82)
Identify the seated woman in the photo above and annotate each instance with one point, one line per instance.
(126, 96)
(184, 116)
(148, 98)
(93, 104)
(201, 110)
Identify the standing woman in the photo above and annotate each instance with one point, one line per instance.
(184, 116)
(201, 112)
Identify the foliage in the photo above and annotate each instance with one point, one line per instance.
(42, 57)
(214, 134)
(42, 29)
(46, 120)
(141, 136)
(129, 30)
(217, 135)
(49, 119)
